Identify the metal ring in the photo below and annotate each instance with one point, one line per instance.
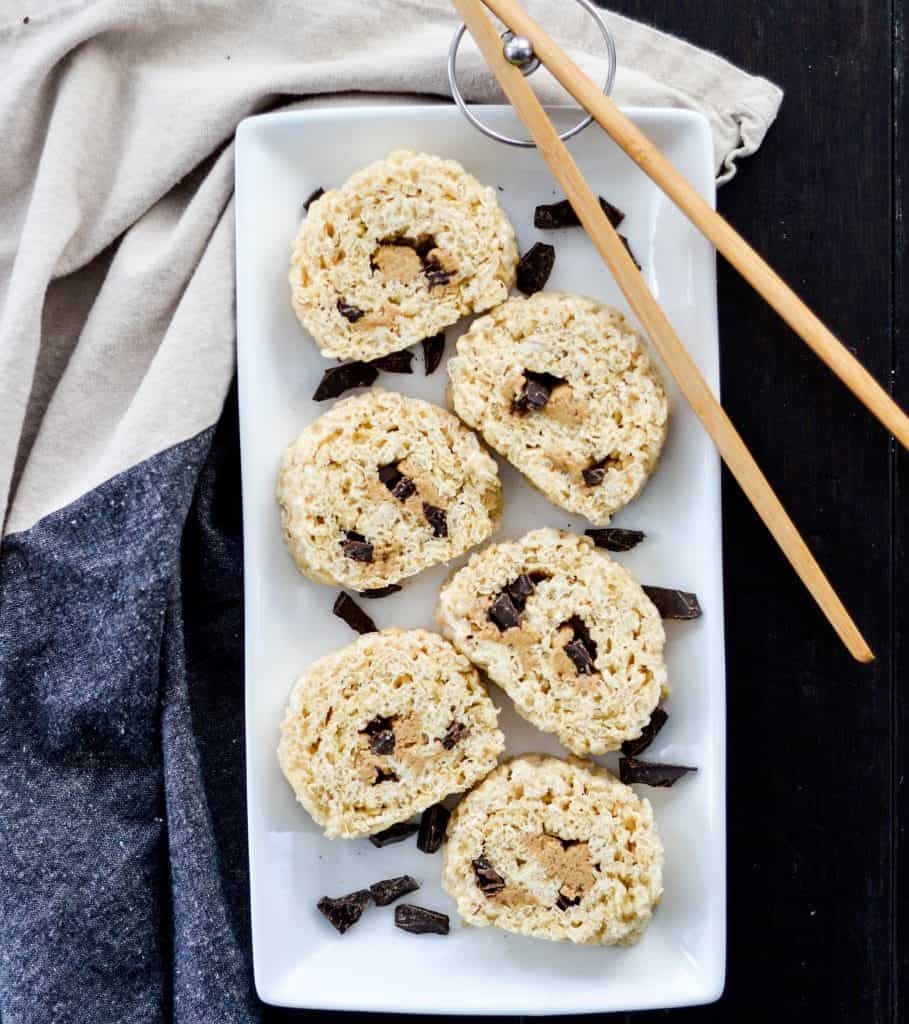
(529, 143)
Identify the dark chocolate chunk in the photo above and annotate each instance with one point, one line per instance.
(489, 881)
(432, 828)
(436, 274)
(534, 268)
(394, 362)
(357, 547)
(536, 391)
(634, 258)
(631, 748)
(613, 539)
(433, 350)
(562, 215)
(338, 379)
(651, 773)
(381, 735)
(455, 732)
(400, 486)
(424, 246)
(582, 649)
(390, 889)
(519, 590)
(312, 197)
(674, 604)
(349, 312)
(393, 834)
(577, 651)
(392, 588)
(348, 610)
(436, 518)
(563, 902)
(419, 920)
(382, 776)
(593, 475)
(503, 612)
(344, 911)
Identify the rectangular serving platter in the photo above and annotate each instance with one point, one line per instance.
(299, 960)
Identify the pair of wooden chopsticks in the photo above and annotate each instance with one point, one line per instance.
(648, 311)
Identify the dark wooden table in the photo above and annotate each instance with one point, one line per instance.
(816, 798)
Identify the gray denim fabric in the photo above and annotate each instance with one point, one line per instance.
(123, 889)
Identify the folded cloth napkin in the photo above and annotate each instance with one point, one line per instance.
(122, 874)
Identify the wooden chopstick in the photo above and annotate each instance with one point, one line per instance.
(724, 237)
(657, 326)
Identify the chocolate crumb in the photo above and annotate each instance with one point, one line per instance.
(312, 197)
(627, 245)
(344, 911)
(338, 379)
(536, 391)
(349, 312)
(651, 773)
(433, 350)
(563, 902)
(455, 732)
(376, 592)
(674, 604)
(582, 649)
(436, 518)
(613, 539)
(357, 548)
(394, 362)
(381, 735)
(419, 920)
(433, 824)
(489, 881)
(503, 613)
(390, 889)
(393, 834)
(562, 215)
(631, 748)
(350, 612)
(534, 268)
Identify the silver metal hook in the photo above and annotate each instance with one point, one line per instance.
(519, 51)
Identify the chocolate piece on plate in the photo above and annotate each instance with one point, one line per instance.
(420, 921)
(394, 362)
(344, 911)
(432, 828)
(613, 539)
(562, 215)
(338, 379)
(312, 197)
(674, 604)
(534, 268)
(651, 773)
(390, 889)
(394, 834)
(634, 258)
(658, 718)
(351, 613)
(433, 350)
(376, 592)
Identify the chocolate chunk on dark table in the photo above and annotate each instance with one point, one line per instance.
(631, 748)
(350, 612)
(338, 379)
(394, 834)
(390, 889)
(433, 350)
(651, 773)
(344, 911)
(432, 828)
(534, 268)
(420, 921)
(674, 604)
(613, 539)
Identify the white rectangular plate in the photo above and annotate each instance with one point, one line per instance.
(299, 959)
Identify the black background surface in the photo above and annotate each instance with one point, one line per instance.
(816, 796)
